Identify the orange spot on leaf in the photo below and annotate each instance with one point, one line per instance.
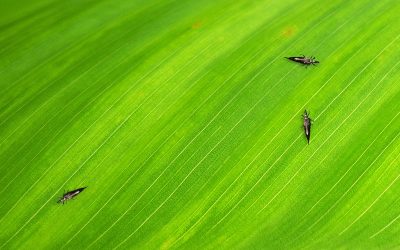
(289, 31)
(197, 25)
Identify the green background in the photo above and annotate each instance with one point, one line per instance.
(184, 120)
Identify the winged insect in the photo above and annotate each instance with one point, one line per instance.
(303, 60)
(70, 195)
(307, 125)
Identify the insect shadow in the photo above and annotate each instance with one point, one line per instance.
(69, 195)
(303, 60)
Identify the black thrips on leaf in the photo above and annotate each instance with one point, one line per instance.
(307, 125)
(303, 60)
(70, 194)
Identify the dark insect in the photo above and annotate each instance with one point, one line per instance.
(307, 125)
(303, 60)
(70, 195)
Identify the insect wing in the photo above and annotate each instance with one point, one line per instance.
(296, 59)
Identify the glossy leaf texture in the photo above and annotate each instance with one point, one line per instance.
(184, 121)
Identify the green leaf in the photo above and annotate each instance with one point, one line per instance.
(183, 119)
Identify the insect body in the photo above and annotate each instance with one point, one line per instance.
(307, 125)
(69, 195)
(303, 60)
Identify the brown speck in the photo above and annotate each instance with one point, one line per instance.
(197, 25)
(289, 31)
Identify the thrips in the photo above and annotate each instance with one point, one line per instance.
(303, 60)
(307, 125)
(69, 195)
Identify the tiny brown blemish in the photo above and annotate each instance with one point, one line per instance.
(289, 31)
(197, 25)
